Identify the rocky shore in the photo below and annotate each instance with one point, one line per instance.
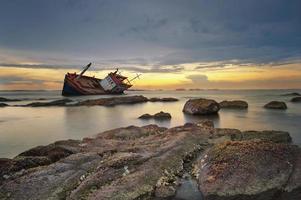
(149, 162)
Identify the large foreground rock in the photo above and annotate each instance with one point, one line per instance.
(236, 104)
(276, 105)
(148, 163)
(113, 101)
(126, 163)
(252, 170)
(201, 107)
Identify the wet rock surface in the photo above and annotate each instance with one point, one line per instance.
(250, 170)
(276, 105)
(236, 104)
(159, 116)
(296, 99)
(201, 107)
(152, 162)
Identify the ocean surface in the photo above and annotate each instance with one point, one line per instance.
(22, 128)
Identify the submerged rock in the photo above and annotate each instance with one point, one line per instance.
(250, 170)
(165, 99)
(113, 101)
(236, 104)
(60, 102)
(296, 99)
(276, 105)
(201, 107)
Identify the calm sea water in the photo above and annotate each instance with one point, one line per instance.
(22, 128)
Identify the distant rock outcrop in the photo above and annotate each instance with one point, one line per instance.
(113, 101)
(60, 102)
(236, 104)
(276, 105)
(3, 104)
(201, 107)
(165, 99)
(3, 99)
(296, 99)
(292, 94)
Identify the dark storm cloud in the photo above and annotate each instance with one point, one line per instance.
(154, 33)
(101, 67)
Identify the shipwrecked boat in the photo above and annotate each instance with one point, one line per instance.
(79, 84)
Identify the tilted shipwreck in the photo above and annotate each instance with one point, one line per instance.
(79, 84)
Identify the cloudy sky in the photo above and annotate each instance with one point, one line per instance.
(231, 44)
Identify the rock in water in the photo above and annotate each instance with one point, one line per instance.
(146, 116)
(252, 169)
(237, 104)
(296, 99)
(159, 116)
(162, 115)
(201, 107)
(276, 105)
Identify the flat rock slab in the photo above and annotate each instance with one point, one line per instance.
(113, 101)
(276, 105)
(201, 107)
(125, 163)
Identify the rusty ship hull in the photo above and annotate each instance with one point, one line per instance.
(78, 84)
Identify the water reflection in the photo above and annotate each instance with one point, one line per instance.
(22, 128)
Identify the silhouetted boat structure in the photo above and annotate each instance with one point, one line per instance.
(78, 84)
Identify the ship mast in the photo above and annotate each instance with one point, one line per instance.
(137, 76)
(85, 69)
